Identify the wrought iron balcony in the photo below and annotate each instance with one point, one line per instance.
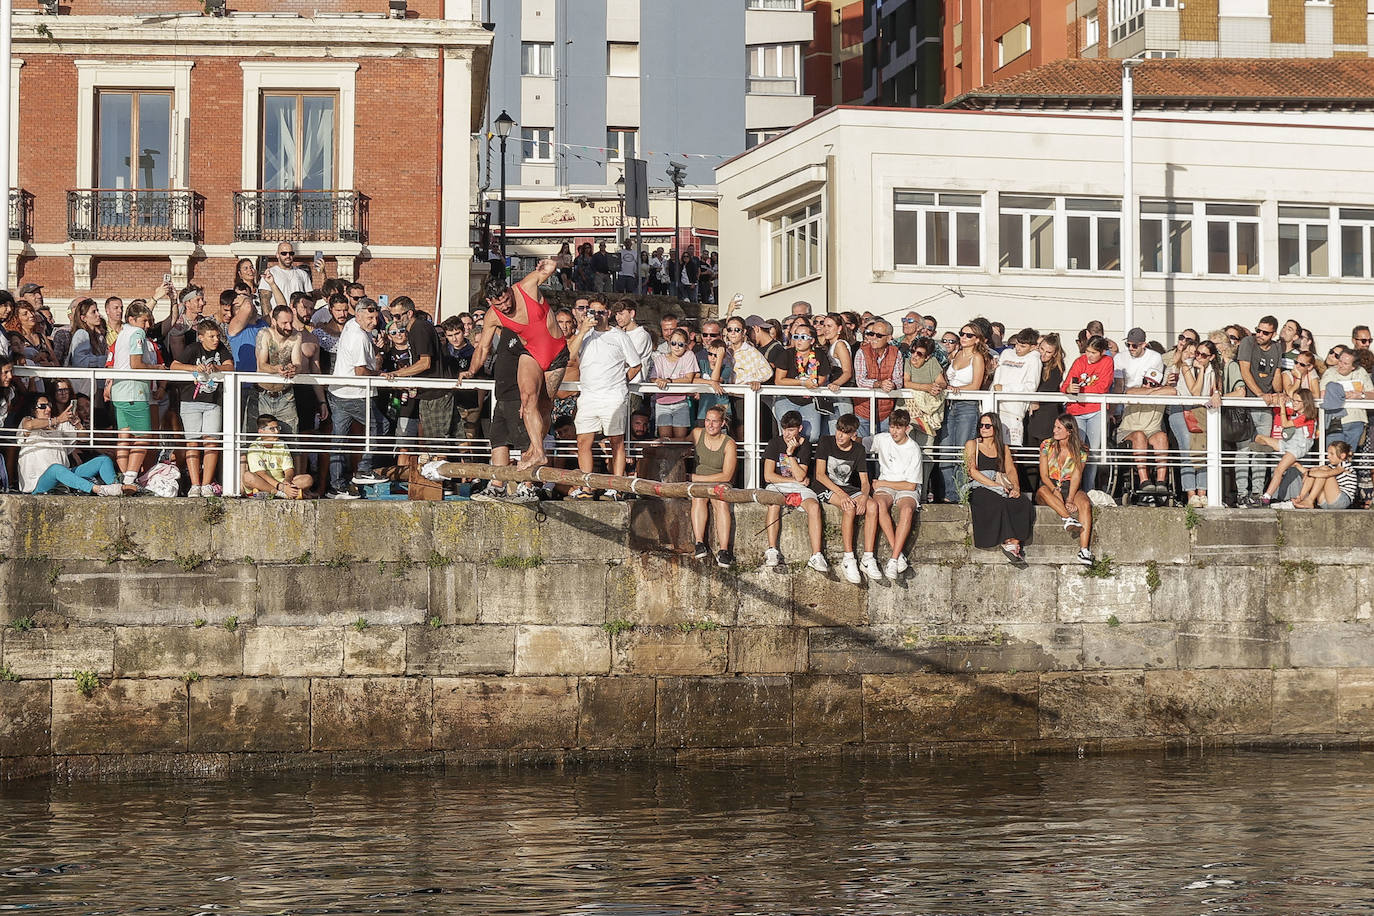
(21, 215)
(273, 215)
(134, 215)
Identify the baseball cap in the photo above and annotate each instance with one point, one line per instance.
(755, 321)
(1135, 336)
(29, 288)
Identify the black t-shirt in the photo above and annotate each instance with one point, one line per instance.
(817, 363)
(843, 466)
(207, 390)
(777, 447)
(403, 400)
(425, 342)
(454, 362)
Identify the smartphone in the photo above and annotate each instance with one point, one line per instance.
(319, 260)
(166, 278)
(383, 300)
(263, 261)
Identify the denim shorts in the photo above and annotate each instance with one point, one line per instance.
(678, 414)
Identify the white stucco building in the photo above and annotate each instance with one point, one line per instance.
(1250, 199)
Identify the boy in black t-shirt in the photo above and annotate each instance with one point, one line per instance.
(787, 469)
(842, 469)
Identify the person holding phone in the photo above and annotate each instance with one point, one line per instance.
(46, 443)
(281, 279)
(1091, 373)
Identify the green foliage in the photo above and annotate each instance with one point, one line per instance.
(617, 626)
(54, 572)
(190, 677)
(22, 624)
(121, 547)
(517, 562)
(86, 681)
(435, 623)
(1101, 568)
(342, 561)
(360, 624)
(688, 626)
(1280, 539)
(1291, 568)
(214, 510)
(1152, 576)
(7, 674)
(198, 622)
(1112, 621)
(304, 559)
(231, 623)
(437, 560)
(1191, 519)
(190, 562)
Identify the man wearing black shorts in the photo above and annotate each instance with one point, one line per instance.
(508, 431)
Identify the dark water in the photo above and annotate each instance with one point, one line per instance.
(1250, 833)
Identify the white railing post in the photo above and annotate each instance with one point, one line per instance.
(233, 406)
(1214, 481)
(751, 436)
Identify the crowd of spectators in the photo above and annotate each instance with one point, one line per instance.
(878, 462)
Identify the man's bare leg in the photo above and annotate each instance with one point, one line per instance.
(531, 382)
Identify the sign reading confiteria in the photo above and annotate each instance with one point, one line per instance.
(560, 215)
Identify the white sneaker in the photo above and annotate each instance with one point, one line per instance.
(1286, 504)
(131, 478)
(893, 569)
(195, 492)
(817, 562)
(108, 489)
(850, 567)
(772, 557)
(1085, 556)
(871, 568)
(902, 564)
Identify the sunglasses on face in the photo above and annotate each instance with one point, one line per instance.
(1264, 331)
(1233, 339)
(1364, 339)
(920, 354)
(967, 335)
(908, 321)
(874, 334)
(706, 336)
(1204, 354)
(802, 337)
(1184, 338)
(985, 426)
(677, 344)
(598, 313)
(734, 330)
(271, 429)
(43, 406)
(286, 254)
(949, 342)
(579, 308)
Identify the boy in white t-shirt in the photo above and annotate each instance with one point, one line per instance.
(898, 484)
(1018, 370)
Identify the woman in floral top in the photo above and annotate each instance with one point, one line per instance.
(802, 365)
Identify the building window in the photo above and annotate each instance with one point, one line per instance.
(1090, 31)
(298, 145)
(1233, 240)
(773, 5)
(1304, 241)
(753, 138)
(620, 143)
(536, 58)
(795, 244)
(1126, 17)
(536, 144)
(772, 69)
(1356, 228)
(1160, 55)
(1026, 225)
(1013, 43)
(931, 229)
(1093, 233)
(622, 58)
(1166, 237)
(1243, 8)
(133, 143)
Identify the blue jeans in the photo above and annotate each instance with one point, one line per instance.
(79, 478)
(1350, 434)
(961, 423)
(1253, 466)
(864, 431)
(343, 411)
(840, 407)
(1191, 477)
(1090, 431)
(811, 417)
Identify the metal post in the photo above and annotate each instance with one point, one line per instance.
(503, 208)
(232, 423)
(751, 439)
(1214, 482)
(6, 8)
(1128, 221)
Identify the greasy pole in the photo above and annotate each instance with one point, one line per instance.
(451, 470)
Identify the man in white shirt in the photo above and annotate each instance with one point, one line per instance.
(1140, 371)
(627, 279)
(607, 360)
(356, 355)
(898, 484)
(624, 312)
(1018, 369)
(282, 279)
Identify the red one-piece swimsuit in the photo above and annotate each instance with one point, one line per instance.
(539, 343)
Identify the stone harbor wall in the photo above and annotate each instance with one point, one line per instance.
(200, 636)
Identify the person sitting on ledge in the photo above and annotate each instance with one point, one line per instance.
(715, 463)
(45, 447)
(271, 470)
(1327, 486)
(786, 469)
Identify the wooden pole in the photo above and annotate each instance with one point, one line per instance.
(510, 473)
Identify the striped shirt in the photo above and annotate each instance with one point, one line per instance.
(1346, 478)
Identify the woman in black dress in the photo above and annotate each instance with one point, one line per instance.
(1002, 514)
(1040, 422)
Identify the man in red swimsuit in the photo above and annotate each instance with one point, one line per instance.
(522, 310)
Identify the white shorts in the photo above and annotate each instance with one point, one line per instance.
(201, 419)
(898, 495)
(805, 492)
(605, 417)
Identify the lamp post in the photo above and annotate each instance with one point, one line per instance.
(676, 174)
(504, 123)
(1128, 219)
(620, 193)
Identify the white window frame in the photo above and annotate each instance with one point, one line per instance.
(1251, 8)
(753, 138)
(793, 5)
(926, 205)
(541, 137)
(1169, 215)
(1304, 224)
(613, 45)
(135, 75)
(298, 76)
(615, 151)
(1126, 17)
(1026, 214)
(543, 58)
(1096, 210)
(1361, 219)
(795, 221)
(1002, 59)
(1092, 31)
(1232, 221)
(763, 69)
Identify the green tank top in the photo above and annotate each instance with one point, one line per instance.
(710, 461)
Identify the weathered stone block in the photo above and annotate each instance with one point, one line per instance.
(24, 589)
(1005, 594)
(1305, 702)
(724, 712)
(767, 650)
(552, 593)
(1327, 537)
(1212, 592)
(536, 712)
(942, 533)
(616, 712)
(562, 650)
(59, 527)
(484, 531)
(1212, 702)
(355, 529)
(164, 594)
(1133, 537)
(53, 653)
(765, 599)
(453, 595)
(122, 717)
(268, 532)
(1236, 537)
(293, 651)
(826, 601)
(175, 651)
(88, 592)
(1247, 644)
(25, 718)
(370, 713)
(827, 709)
(230, 715)
(873, 650)
(922, 598)
(1331, 645)
(1097, 704)
(1130, 645)
(670, 650)
(668, 590)
(908, 708)
(460, 650)
(1011, 647)
(321, 596)
(1085, 599)
(1355, 699)
(375, 650)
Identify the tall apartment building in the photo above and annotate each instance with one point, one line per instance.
(986, 42)
(833, 64)
(902, 60)
(177, 136)
(592, 82)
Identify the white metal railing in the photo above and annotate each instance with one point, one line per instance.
(753, 403)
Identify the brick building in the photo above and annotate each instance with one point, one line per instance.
(833, 63)
(151, 137)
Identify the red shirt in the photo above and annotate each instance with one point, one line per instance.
(1092, 378)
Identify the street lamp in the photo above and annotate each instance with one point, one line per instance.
(676, 173)
(504, 123)
(620, 192)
